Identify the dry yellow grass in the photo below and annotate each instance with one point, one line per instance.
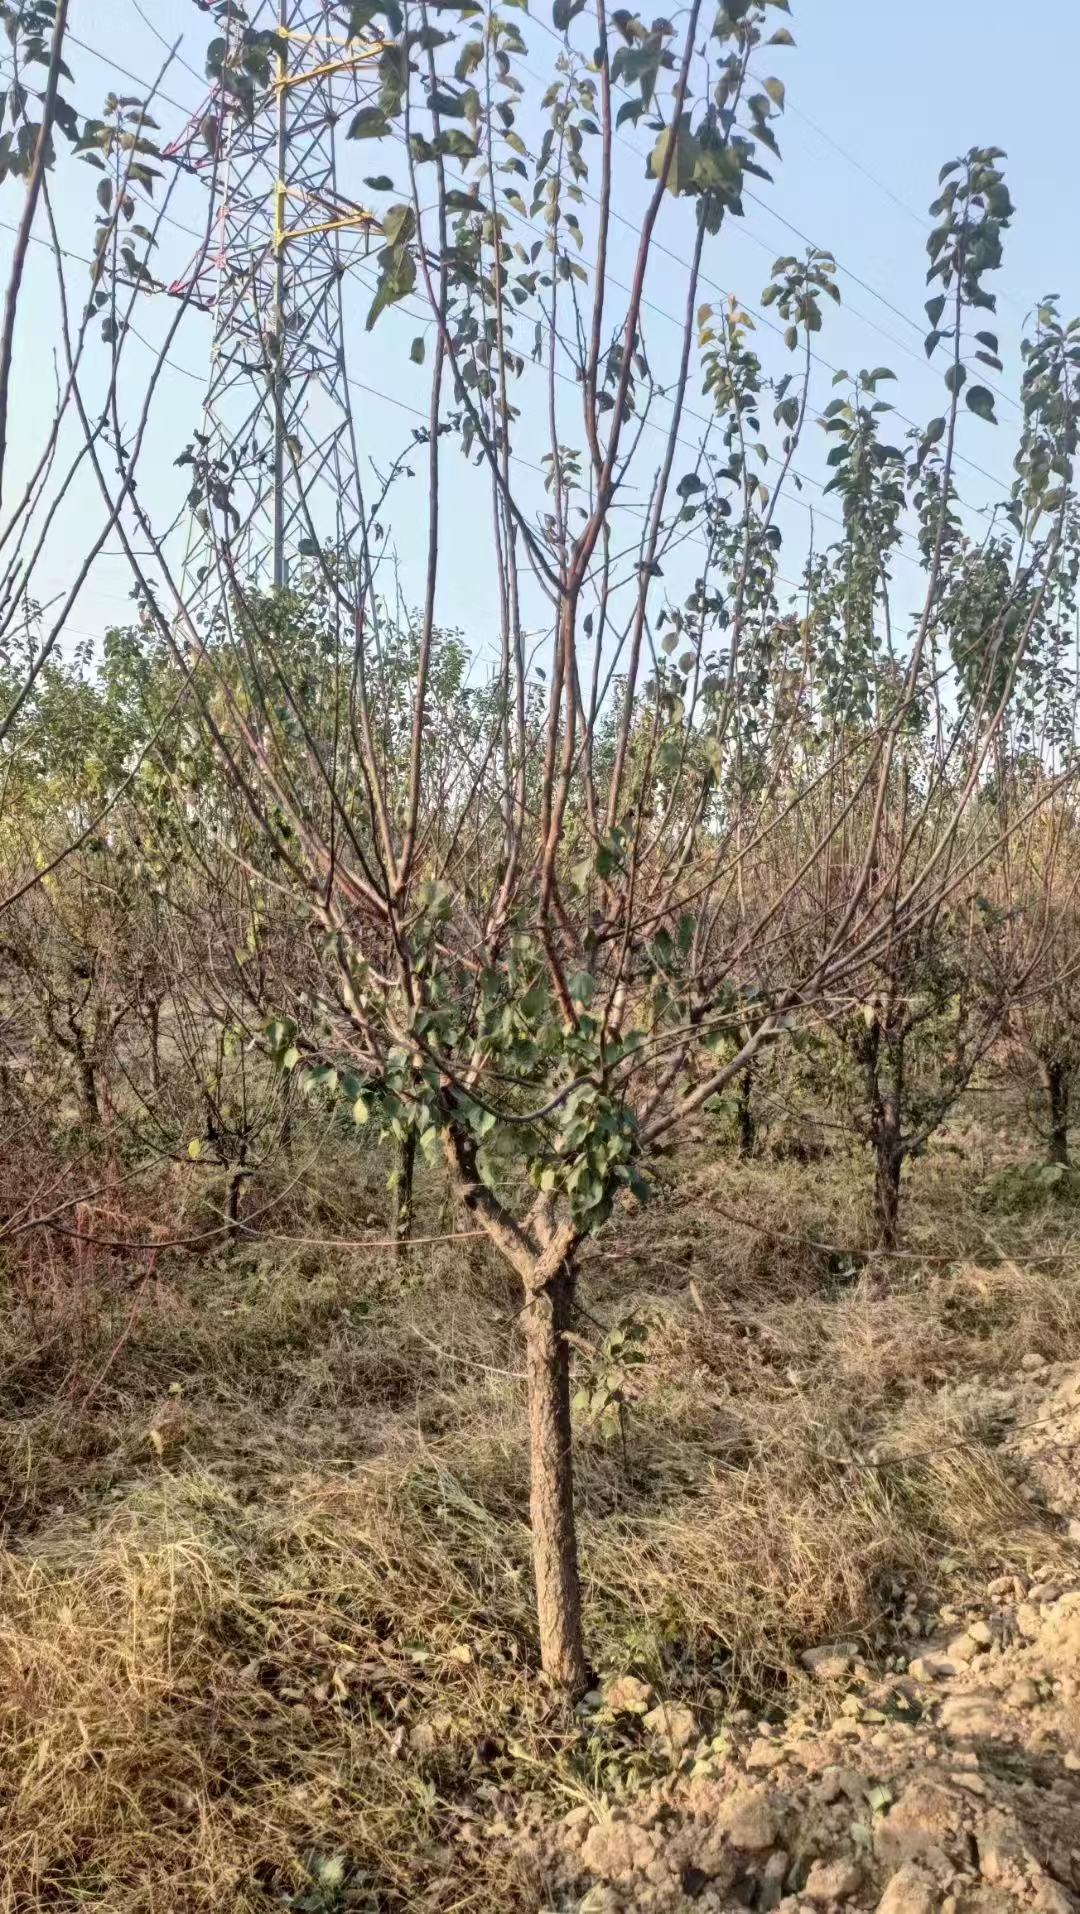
(265, 1605)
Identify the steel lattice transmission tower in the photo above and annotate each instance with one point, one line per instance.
(277, 457)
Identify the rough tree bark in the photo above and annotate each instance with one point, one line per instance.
(545, 1319)
(1055, 1081)
(889, 1163)
(883, 1058)
(153, 1015)
(401, 1221)
(747, 1130)
(541, 1252)
(88, 1093)
(236, 1186)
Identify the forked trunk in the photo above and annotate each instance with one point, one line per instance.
(551, 1502)
(546, 1273)
(1056, 1084)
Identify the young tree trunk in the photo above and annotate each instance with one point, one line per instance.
(154, 1019)
(401, 1225)
(88, 1093)
(236, 1184)
(889, 1163)
(1055, 1079)
(447, 1208)
(547, 1276)
(747, 1129)
(883, 1062)
(551, 1503)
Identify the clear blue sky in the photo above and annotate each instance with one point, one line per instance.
(898, 87)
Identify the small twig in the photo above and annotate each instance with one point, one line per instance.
(467, 1362)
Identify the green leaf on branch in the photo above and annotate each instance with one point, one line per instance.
(397, 266)
(469, 59)
(368, 10)
(398, 224)
(392, 287)
(456, 143)
(448, 104)
(368, 124)
(675, 155)
(980, 400)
